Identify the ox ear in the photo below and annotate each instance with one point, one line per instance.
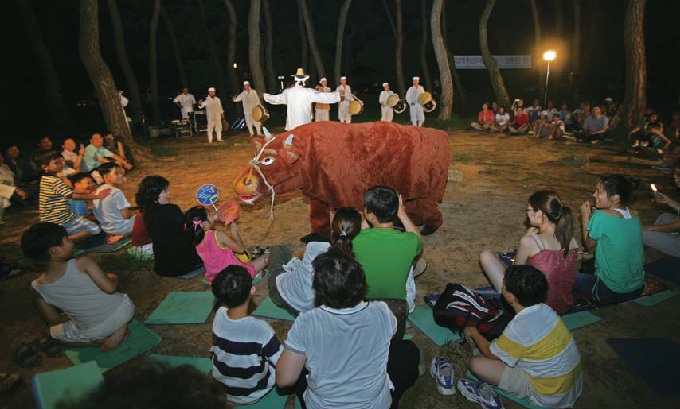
(289, 154)
(257, 143)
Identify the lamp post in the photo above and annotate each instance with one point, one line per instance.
(547, 56)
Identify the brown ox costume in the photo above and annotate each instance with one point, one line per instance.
(334, 163)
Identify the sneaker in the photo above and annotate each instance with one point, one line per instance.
(442, 371)
(419, 268)
(480, 392)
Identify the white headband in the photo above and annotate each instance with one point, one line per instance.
(246, 83)
(322, 80)
(385, 84)
(416, 78)
(343, 78)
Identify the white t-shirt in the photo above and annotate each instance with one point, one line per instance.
(502, 119)
(347, 352)
(187, 102)
(107, 211)
(295, 284)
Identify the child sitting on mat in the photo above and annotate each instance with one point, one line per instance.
(82, 184)
(616, 232)
(535, 357)
(547, 245)
(113, 212)
(215, 247)
(79, 288)
(245, 349)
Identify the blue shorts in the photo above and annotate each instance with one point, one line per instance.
(79, 224)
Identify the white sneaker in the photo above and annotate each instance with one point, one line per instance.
(442, 372)
(419, 268)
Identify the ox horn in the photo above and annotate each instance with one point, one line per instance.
(289, 140)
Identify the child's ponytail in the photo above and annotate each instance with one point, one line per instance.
(345, 227)
(194, 219)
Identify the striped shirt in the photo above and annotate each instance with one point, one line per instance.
(539, 342)
(244, 357)
(53, 202)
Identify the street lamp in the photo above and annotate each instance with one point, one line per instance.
(235, 66)
(547, 56)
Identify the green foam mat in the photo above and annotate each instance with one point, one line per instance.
(73, 383)
(272, 400)
(268, 309)
(422, 318)
(523, 402)
(579, 319)
(192, 274)
(649, 300)
(140, 340)
(183, 308)
(109, 248)
(204, 365)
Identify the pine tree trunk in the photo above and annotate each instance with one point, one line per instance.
(398, 52)
(269, 46)
(175, 48)
(459, 93)
(427, 81)
(389, 18)
(446, 103)
(636, 72)
(136, 111)
(231, 48)
(214, 51)
(342, 20)
(99, 73)
(60, 116)
(490, 62)
(311, 38)
(254, 45)
(537, 47)
(153, 62)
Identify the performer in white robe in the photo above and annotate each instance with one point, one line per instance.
(322, 110)
(185, 102)
(386, 112)
(215, 114)
(346, 97)
(123, 103)
(250, 100)
(415, 109)
(299, 99)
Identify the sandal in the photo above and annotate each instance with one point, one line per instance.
(26, 356)
(49, 346)
(9, 382)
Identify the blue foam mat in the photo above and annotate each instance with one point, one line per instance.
(183, 308)
(74, 382)
(650, 300)
(268, 309)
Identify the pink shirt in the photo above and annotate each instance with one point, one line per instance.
(217, 258)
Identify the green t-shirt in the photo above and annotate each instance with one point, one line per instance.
(386, 256)
(618, 256)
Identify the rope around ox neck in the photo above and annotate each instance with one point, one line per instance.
(255, 162)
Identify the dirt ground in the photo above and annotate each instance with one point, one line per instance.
(484, 210)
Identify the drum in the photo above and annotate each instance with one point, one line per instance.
(356, 107)
(260, 114)
(424, 98)
(400, 106)
(430, 106)
(392, 100)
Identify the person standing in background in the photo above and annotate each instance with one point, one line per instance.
(215, 114)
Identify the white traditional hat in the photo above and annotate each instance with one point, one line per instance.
(608, 99)
(343, 78)
(300, 76)
(416, 78)
(385, 84)
(211, 89)
(246, 83)
(322, 80)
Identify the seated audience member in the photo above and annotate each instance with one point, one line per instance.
(501, 120)
(386, 254)
(541, 127)
(595, 126)
(174, 253)
(550, 111)
(609, 107)
(141, 246)
(534, 110)
(152, 386)
(79, 288)
(564, 112)
(517, 103)
(548, 245)
(8, 189)
(96, 154)
(115, 145)
(484, 119)
(72, 160)
(675, 124)
(21, 167)
(581, 114)
(217, 248)
(614, 233)
(495, 107)
(53, 205)
(290, 280)
(113, 212)
(615, 118)
(245, 349)
(325, 339)
(536, 357)
(520, 124)
(556, 128)
(82, 184)
(663, 235)
(44, 145)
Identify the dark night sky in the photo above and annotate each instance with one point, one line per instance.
(370, 49)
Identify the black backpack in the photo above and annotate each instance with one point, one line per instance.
(459, 307)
